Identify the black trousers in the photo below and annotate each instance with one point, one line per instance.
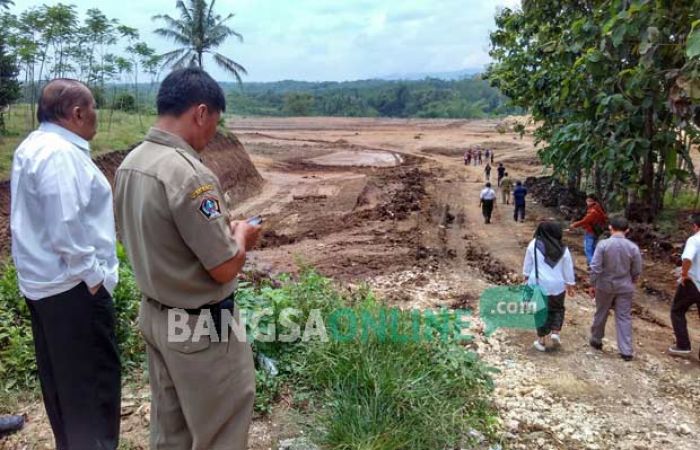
(555, 315)
(685, 297)
(487, 209)
(519, 212)
(79, 369)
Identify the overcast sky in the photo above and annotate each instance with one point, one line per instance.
(331, 39)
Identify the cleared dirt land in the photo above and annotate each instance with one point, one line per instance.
(390, 202)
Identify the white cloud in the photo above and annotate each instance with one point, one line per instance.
(333, 39)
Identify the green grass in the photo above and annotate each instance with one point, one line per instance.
(685, 200)
(371, 391)
(125, 131)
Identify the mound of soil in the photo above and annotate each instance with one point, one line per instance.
(229, 160)
(405, 200)
(225, 155)
(551, 193)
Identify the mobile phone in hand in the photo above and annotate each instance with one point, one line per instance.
(255, 221)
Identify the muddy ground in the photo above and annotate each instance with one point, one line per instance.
(391, 203)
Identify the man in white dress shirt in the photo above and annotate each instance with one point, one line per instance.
(63, 245)
(487, 200)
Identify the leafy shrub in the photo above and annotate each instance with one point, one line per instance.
(17, 360)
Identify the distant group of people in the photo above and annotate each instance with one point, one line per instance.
(476, 156)
(487, 197)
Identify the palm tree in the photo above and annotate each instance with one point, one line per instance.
(198, 30)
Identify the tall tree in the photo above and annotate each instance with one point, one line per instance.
(5, 4)
(198, 31)
(60, 33)
(600, 78)
(9, 86)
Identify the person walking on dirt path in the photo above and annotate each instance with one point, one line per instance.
(487, 155)
(487, 172)
(64, 249)
(501, 172)
(487, 200)
(615, 269)
(519, 195)
(186, 254)
(492, 156)
(478, 157)
(506, 186)
(467, 156)
(687, 293)
(593, 224)
(553, 272)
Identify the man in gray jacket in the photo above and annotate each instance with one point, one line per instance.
(615, 268)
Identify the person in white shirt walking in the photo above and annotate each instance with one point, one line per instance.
(687, 293)
(553, 272)
(64, 248)
(487, 199)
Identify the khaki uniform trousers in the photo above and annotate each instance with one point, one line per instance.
(202, 393)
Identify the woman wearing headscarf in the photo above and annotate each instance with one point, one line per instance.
(548, 264)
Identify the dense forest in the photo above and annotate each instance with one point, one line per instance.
(467, 98)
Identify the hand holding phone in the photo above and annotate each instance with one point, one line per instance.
(255, 221)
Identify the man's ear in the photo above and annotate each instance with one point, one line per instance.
(200, 114)
(77, 113)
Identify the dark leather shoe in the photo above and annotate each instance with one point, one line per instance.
(596, 345)
(10, 424)
(627, 357)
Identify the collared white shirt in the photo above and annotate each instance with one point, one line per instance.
(487, 194)
(62, 217)
(691, 251)
(552, 280)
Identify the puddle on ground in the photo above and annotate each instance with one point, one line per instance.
(359, 158)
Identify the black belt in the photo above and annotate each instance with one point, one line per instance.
(226, 303)
(214, 309)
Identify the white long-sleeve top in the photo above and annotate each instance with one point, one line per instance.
(62, 218)
(552, 280)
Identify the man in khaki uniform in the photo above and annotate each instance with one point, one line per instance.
(186, 254)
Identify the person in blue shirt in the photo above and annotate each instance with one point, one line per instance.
(519, 197)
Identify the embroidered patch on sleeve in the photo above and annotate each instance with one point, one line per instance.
(202, 190)
(210, 208)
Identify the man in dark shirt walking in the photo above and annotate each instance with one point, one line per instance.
(519, 199)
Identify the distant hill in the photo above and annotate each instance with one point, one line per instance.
(448, 76)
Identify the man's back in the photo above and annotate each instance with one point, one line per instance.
(616, 264)
(506, 184)
(519, 194)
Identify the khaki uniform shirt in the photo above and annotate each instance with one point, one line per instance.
(506, 184)
(173, 221)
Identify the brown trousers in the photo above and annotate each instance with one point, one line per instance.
(202, 393)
